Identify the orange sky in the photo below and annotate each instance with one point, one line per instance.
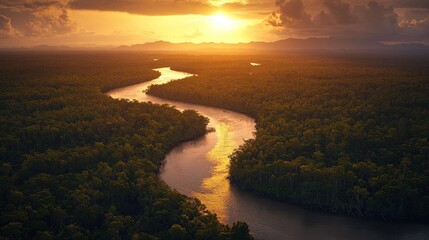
(218, 27)
(125, 22)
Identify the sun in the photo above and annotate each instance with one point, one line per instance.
(222, 22)
(221, 27)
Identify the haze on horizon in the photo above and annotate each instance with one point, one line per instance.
(26, 23)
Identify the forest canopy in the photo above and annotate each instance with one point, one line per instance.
(77, 164)
(338, 132)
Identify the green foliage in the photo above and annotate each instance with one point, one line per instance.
(240, 231)
(76, 164)
(342, 133)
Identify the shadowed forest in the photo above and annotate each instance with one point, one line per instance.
(76, 164)
(344, 133)
(338, 132)
(214, 119)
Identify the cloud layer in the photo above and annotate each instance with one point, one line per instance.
(339, 18)
(35, 18)
(146, 7)
(6, 28)
(380, 20)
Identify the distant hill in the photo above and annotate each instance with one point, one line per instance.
(59, 48)
(282, 45)
(291, 44)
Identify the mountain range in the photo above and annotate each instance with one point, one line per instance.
(311, 44)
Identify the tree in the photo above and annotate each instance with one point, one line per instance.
(240, 231)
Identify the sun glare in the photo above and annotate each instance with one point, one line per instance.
(222, 22)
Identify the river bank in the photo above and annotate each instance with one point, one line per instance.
(200, 168)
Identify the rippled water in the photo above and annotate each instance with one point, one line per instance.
(200, 169)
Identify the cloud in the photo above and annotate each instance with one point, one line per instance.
(376, 21)
(38, 17)
(147, 7)
(340, 19)
(380, 20)
(6, 28)
(290, 13)
(51, 20)
(422, 24)
(175, 7)
(251, 8)
(416, 23)
(411, 3)
(340, 11)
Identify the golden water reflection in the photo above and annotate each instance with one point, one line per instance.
(215, 189)
(199, 169)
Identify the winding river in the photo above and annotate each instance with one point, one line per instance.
(200, 169)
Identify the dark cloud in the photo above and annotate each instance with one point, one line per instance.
(411, 3)
(419, 14)
(340, 11)
(372, 21)
(376, 21)
(290, 13)
(28, 6)
(38, 17)
(147, 7)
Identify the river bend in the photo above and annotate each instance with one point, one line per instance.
(200, 168)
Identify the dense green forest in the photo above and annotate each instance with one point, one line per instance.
(338, 132)
(77, 164)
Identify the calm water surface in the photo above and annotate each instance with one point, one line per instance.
(199, 169)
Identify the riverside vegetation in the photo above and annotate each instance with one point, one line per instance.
(76, 164)
(339, 132)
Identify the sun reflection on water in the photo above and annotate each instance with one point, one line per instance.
(215, 189)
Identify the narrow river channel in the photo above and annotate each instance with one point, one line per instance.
(200, 169)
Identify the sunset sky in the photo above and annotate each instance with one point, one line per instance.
(124, 22)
